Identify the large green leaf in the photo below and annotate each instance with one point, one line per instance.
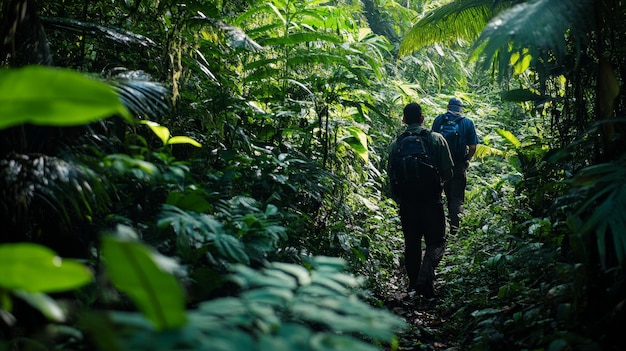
(137, 271)
(37, 269)
(357, 141)
(54, 97)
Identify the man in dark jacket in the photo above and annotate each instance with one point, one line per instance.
(421, 211)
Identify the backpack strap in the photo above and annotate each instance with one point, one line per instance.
(424, 134)
(457, 119)
(450, 117)
(429, 142)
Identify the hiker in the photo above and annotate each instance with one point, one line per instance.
(461, 136)
(419, 162)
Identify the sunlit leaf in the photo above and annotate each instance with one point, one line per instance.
(536, 27)
(521, 61)
(54, 97)
(305, 37)
(35, 268)
(183, 140)
(447, 24)
(162, 132)
(357, 141)
(483, 151)
(509, 137)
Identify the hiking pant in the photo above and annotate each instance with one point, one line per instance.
(422, 219)
(455, 196)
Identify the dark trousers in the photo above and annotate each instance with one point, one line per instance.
(455, 196)
(422, 219)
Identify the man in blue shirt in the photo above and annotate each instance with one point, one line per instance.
(461, 135)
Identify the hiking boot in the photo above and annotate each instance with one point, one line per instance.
(425, 290)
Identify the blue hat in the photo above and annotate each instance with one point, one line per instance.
(455, 104)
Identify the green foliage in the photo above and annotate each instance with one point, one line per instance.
(30, 271)
(357, 141)
(281, 306)
(240, 232)
(294, 104)
(141, 95)
(600, 192)
(514, 31)
(164, 134)
(456, 20)
(47, 187)
(34, 268)
(54, 97)
(146, 276)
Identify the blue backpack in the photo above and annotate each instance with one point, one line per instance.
(413, 165)
(450, 130)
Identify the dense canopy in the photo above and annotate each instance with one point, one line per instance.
(205, 174)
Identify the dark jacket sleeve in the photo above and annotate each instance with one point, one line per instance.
(436, 124)
(389, 188)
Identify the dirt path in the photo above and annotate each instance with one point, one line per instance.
(427, 319)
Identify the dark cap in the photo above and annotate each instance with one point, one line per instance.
(455, 104)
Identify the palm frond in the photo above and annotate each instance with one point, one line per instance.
(508, 136)
(96, 30)
(539, 26)
(483, 151)
(602, 211)
(237, 38)
(447, 24)
(142, 96)
(35, 189)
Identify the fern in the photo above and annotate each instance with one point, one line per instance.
(539, 27)
(281, 306)
(603, 211)
(447, 24)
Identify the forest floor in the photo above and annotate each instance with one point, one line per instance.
(426, 318)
